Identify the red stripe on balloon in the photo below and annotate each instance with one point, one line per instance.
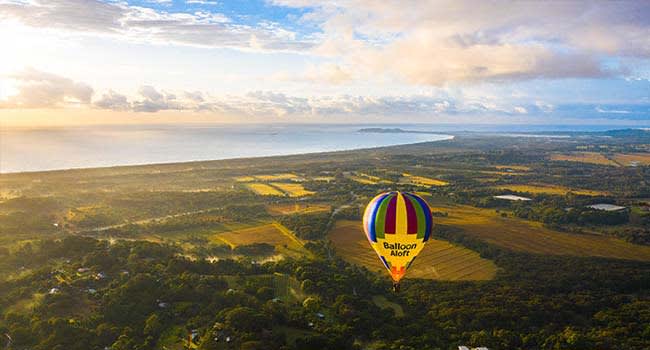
(411, 217)
(391, 216)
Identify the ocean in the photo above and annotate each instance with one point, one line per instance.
(99, 146)
(38, 149)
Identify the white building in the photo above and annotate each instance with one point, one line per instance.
(606, 207)
(512, 197)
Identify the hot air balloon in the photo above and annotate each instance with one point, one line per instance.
(397, 224)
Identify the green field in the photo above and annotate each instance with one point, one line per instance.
(384, 303)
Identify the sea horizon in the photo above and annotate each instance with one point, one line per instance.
(60, 148)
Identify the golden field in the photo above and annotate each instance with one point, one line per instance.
(626, 158)
(323, 178)
(438, 260)
(276, 177)
(366, 179)
(422, 181)
(292, 189)
(549, 189)
(264, 189)
(527, 236)
(513, 167)
(296, 208)
(271, 233)
(584, 157)
(362, 180)
(244, 179)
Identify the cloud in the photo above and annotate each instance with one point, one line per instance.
(612, 111)
(142, 24)
(202, 2)
(437, 42)
(37, 89)
(154, 101)
(520, 110)
(328, 72)
(424, 42)
(113, 100)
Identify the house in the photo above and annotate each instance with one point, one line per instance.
(463, 347)
(194, 334)
(54, 291)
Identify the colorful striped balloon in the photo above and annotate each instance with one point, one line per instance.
(397, 225)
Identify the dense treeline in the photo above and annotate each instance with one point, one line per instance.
(308, 226)
(148, 294)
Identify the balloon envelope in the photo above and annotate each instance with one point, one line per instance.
(397, 224)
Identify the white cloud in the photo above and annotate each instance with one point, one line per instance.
(520, 110)
(435, 42)
(612, 111)
(113, 100)
(133, 23)
(37, 89)
(202, 2)
(424, 42)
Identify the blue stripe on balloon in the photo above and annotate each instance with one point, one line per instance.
(373, 217)
(383, 260)
(427, 217)
(410, 262)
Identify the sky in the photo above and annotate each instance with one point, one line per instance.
(76, 62)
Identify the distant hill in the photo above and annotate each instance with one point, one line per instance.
(393, 131)
(627, 132)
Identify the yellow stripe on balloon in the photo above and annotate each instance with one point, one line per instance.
(400, 214)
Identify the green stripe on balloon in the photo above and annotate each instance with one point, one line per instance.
(380, 217)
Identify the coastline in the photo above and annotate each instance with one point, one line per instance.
(444, 137)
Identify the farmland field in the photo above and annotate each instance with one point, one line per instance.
(362, 180)
(584, 157)
(264, 189)
(296, 208)
(276, 177)
(513, 167)
(271, 233)
(366, 179)
(244, 179)
(527, 236)
(422, 181)
(292, 189)
(549, 189)
(438, 260)
(323, 178)
(626, 159)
